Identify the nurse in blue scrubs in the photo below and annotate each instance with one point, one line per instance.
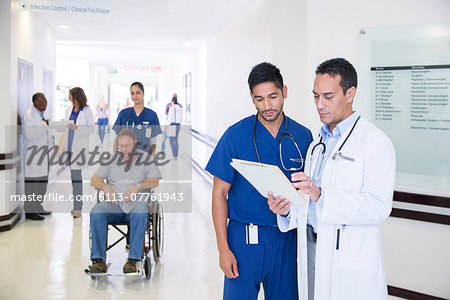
(252, 250)
(142, 120)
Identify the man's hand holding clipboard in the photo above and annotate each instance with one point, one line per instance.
(269, 181)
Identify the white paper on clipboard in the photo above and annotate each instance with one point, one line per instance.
(60, 126)
(266, 178)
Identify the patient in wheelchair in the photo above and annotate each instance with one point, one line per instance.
(121, 180)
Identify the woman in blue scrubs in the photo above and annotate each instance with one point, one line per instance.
(142, 120)
(252, 250)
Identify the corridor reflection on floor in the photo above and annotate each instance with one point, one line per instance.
(45, 260)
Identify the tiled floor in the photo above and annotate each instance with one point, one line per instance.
(45, 260)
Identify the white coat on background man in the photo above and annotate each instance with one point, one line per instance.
(35, 152)
(35, 133)
(352, 200)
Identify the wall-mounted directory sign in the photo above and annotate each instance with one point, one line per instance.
(424, 95)
(405, 89)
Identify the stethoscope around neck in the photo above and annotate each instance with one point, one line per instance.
(337, 154)
(133, 120)
(286, 133)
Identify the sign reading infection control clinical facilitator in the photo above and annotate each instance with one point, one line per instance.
(102, 7)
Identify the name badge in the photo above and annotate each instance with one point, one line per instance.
(148, 132)
(251, 234)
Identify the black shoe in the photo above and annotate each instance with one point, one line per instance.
(34, 216)
(45, 212)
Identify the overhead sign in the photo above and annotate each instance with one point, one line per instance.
(68, 6)
(151, 69)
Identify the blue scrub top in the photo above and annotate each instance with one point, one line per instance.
(73, 117)
(147, 118)
(245, 203)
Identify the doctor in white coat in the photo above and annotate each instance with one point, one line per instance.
(77, 142)
(35, 135)
(349, 178)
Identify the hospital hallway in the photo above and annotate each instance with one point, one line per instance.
(46, 260)
(233, 83)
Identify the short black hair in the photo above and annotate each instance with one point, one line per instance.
(342, 67)
(37, 96)
(265, 72)
(138, 84)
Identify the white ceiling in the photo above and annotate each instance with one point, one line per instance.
(149, 31)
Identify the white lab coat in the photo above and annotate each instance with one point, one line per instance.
(175, 114)
(355, 194)
(35, 133)
(85, 123)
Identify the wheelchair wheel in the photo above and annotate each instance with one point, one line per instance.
(147, 267)
(158, 232)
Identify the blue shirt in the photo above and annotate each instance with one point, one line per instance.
(245, 203)
(147, 120)
(330, 139)
(74, 117)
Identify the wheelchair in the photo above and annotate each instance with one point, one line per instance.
(153, 240)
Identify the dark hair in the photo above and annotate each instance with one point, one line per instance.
(79, 96)
(174, 100)
(342, 67)
(138, 84)
(265, 72)
(37, 96)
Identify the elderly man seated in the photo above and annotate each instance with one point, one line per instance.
(121, 180)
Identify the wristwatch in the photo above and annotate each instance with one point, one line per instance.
(138, 185)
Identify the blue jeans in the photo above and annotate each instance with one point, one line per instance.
(174, 142)
(163, 145)
(105, 212)
(101, 128)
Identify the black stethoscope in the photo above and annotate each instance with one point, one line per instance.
(138, 126)
(338, 154)
(286, 133)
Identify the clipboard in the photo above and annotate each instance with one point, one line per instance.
(60, 126)
(266, 178)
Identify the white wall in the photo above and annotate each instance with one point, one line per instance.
(25, 36)
(273, 31)
(34, 41)
(334, 26)
(6, 113)
(297, 36)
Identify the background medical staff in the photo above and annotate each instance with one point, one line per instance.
(78, 140)
(174, 118)
(35, 134)
(252, 249)
(142, 120)
(349, 177)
